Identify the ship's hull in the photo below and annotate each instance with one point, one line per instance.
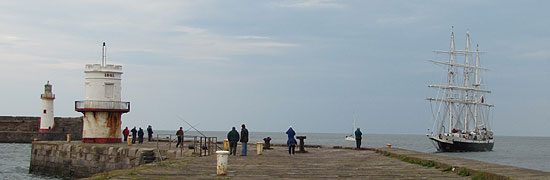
(457, 146)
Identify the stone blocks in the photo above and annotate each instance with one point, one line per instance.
(80, 160)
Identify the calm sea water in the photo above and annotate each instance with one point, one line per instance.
(526, 152)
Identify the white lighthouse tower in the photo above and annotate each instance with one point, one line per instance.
(46, 118)
(102, 107)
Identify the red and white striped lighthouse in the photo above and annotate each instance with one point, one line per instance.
(102, 107)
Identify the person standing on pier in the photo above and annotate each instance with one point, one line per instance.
(179, 133)
(140, 136)
(149, 133)
(358, 138)
(291, 142)
(134, 132)
(125, 132)
(244, 139)
(233, 137)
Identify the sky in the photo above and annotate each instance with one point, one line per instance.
(312, 64)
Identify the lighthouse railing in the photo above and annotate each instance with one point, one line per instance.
(94, 105)
(47, 96)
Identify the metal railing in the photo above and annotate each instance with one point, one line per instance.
(168, 137)
(101, 105)
(208, 145)
(201, 145)
(50, 96)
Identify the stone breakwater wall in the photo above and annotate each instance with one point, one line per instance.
(464, 167)
(77, 160)
(24, 129)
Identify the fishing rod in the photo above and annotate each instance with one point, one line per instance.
(191, 126)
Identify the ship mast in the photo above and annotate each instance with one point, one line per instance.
(451, 79)
(476, 85)
(466, 78)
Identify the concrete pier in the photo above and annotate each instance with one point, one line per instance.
(142, 161)
(78, 160)
(328, 162)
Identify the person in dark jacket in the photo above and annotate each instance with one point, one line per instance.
(244, 139)
(179, 133)
(140, 136)
(291, 142)
(134, 132)
(233, 137)
(358, 138)
(125, 132)
(149, 133)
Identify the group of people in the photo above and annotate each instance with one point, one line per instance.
(291, 142)
(137, 133)
(233, 137)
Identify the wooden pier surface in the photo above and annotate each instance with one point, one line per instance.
(323, 163)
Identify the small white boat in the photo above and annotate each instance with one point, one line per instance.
(351, 137)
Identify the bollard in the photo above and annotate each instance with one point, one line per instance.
(267, 143)
(226, 145)
(302, 149)
(221, 159)
(389, 146)
(259, 148)
(130, 140)
(69, 138)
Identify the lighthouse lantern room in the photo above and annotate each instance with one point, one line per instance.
(102, 107)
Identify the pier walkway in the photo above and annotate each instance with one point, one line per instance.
(319, 163)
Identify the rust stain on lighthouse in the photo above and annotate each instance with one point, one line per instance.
(114, 123)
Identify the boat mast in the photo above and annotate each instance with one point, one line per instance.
(466, 78)
(451, 79)
(476, 86)
(353, 130)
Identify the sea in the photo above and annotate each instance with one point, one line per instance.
(526, 152)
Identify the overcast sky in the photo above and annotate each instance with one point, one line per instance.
(311, 64)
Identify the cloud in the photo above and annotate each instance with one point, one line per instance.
(197, 43)
(271, 44)
(541, 54)
(9, 38)
(310, 4)
(252, 37)
(62, 66)
(405, 20)
(188, 29)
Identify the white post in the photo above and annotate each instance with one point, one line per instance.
(221, 159)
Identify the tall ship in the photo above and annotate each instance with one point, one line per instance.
(460, 109)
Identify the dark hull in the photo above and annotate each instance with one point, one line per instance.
(463, 146)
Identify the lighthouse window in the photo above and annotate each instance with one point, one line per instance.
(44, 111)
(109, 90)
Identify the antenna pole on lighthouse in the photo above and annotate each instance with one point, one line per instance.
(103, 56)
